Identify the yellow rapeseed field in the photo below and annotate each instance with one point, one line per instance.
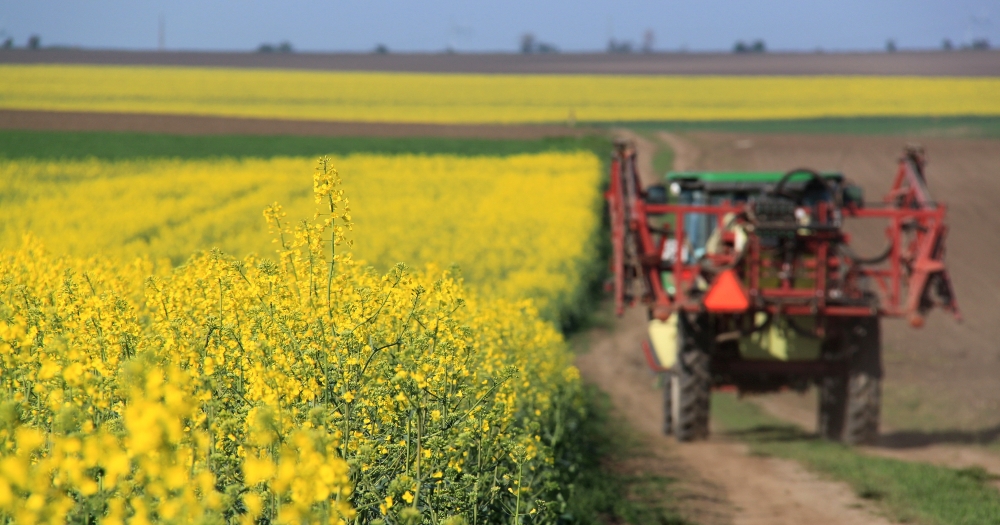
(293, 388)
(517, 226)
(466, 98)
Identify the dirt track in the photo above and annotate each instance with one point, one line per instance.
(722, 483)
(942, 390)
(977, 63)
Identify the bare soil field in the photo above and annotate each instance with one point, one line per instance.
(942, 392)
(207, 125)
(953, 63)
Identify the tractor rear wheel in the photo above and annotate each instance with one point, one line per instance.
(691, 386)
(850, 404)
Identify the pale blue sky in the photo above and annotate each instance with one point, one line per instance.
(582, 25)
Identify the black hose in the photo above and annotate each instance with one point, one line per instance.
(799, 330)
(867, 260)
(779, 188)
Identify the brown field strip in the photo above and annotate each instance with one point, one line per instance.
(208, 125)
(924, 63)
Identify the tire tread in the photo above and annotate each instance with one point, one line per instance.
(691, 409)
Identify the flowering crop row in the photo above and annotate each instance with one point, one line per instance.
(517, 226)
(307, 388)
(466, 98)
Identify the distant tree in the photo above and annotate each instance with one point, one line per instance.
(8, 43)
(285, 47)
(530, 44)
(758, 46)
(616, 46)
(946, 45)
(527, 43)
(545, 47)
(890, 46)
(34, 42)
(980, 44)
(265, 48)
(648, 39)
(381, 49)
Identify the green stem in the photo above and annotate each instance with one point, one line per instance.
(517, 502)
(333, 255)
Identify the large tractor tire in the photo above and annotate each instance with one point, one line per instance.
(850, 404)
(690, 385)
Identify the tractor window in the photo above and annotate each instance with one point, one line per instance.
(697, 226)
(815, 192)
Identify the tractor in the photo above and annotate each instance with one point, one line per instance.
(751, 284)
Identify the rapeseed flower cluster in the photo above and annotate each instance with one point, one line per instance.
(519, 226)
(307, 388)
(486, 98)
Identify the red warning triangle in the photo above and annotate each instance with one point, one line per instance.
(726, 294)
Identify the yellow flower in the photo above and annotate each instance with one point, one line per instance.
(15, 469)
(87, 487)
(254, 503)
(29, 439)
(257, 470)
(224, 372)
(6, 495)
(480, 98)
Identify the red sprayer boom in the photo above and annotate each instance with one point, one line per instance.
(907, 279)
(751, 283)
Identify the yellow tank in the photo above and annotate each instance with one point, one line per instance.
(781, 342)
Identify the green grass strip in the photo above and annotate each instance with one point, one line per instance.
(970, 126)
(15, 144)
(600, 490)
(905, 491)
